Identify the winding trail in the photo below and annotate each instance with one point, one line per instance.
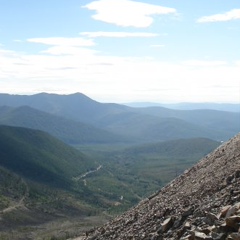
(87, 173)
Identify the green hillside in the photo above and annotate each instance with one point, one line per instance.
(38, 156)
(45, 181)
(179, 148)
(146, 168)
(44, 160)
(36, 182)
(163, 161)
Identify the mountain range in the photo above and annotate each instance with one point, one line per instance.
(229, 107)
(69, 131)
(135, 124)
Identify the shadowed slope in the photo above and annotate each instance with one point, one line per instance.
(38, 156)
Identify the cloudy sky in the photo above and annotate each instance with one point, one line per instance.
(122, 50)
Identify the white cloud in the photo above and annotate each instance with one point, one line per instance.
(109, 78)
(202, 63)
(61, 41)
(118, 34)
(127, 13)
(66, 46)
(69, 50)
(227, 16)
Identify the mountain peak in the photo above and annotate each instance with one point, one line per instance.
(190, 206)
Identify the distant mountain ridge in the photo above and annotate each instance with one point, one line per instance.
(75, 106)
(212, 120)
(229, 107)
(141, 124)
(67, 130)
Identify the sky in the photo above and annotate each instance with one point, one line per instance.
(122, 50)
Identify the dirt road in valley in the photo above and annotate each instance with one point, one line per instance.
(87, 173)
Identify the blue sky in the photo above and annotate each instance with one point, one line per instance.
(122, 50)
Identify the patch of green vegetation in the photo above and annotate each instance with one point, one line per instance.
(138, 171)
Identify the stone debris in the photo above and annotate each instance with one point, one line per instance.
(202, 203)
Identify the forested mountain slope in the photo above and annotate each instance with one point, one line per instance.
(36, 155)
(67, 130)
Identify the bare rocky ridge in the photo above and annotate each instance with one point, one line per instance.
(202, 203)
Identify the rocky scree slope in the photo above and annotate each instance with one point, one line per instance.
(202, 203)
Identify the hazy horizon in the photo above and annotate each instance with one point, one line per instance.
(124, 103)
(121, 50)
